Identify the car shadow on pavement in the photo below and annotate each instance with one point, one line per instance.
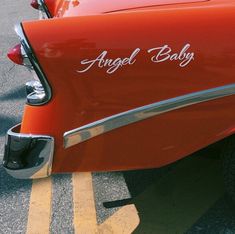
(14, 94)
(186, 197)
(7, 122)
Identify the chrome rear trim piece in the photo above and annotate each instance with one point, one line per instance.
(28, 156)
(108, 124)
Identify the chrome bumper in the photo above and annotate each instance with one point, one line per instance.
(28, 156)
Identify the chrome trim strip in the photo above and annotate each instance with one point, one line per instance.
(44, 8)
(108, 124)
(29, 51)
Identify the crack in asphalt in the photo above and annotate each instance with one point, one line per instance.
(11, 68)
(5, 75)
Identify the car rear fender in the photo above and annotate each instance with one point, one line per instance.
(84, 94)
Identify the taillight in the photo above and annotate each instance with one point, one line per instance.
(15, 55)
(35, 4)
(38, 90)
(35, 91)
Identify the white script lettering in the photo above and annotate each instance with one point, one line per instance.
(112, 64)
(163, 53)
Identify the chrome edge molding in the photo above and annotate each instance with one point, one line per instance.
(44, 8)
(28, 156)
(28, 50)
(102, 126)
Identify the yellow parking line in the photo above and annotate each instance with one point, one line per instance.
(124, 221)
(84, 204)
(40, 207)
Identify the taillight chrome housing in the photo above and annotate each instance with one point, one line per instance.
(35, 92)
(38, 91)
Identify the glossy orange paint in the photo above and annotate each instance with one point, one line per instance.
(53, 5)
(64, 8)
(60, 45)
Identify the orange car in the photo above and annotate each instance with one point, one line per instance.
(124, 85)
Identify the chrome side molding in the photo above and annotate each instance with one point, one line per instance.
(108, 124)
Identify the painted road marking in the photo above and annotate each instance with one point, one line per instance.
(178, 200)
(84, 204)
(124, 221)
(171, 205)
(40, 207)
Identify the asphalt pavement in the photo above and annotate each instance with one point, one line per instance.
(186, 197)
